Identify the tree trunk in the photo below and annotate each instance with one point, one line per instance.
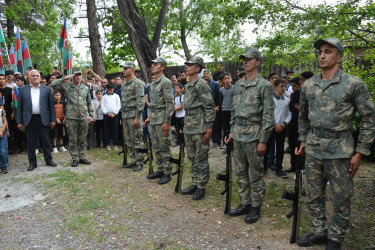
(10, 23)
(183, 32)
(95, 42)
(144, 49)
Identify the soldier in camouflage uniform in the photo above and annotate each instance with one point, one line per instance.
(251, 123)
(328, 104)
(199, 117)
(162, 107)
(79, 112)
(132, 105)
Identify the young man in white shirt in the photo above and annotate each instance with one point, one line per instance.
(282, 118)
(111, 106)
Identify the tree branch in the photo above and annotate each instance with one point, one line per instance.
(159, 25)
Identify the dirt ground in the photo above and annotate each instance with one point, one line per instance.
(103, 206)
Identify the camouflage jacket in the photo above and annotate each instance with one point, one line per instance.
(252, 110)
(132, 98)
(161, 100)
(199, 107)
(79, 105)
(327, 109)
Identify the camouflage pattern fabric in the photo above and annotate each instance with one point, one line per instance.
(79, 100)
(133, 139)
(197, 153)
(199, 107)
(132, 98)
(327, 109)
(252, 110)
(162, 101)
(77, 130)
(248, 168)
(161, 145)
(318, 172)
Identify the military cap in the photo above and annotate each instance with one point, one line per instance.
(332, 41)
(196, 60)
(160, 60)
(128, 64)
(251, 52)
(77, 71)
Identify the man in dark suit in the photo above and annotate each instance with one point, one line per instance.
(36, 113)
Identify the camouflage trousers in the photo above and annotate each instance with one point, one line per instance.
(248, 168)
(77, 131)
(318, 172)
(133, 140)
(197, 153)
(161, 145)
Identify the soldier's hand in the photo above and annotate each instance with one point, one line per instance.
(207, 136)
(146, 122)
(69, 77)
(355, 162)
(301, 150)
(89, 119)
(136, 123)
(228, 139)
(165, 129)
(261, 149)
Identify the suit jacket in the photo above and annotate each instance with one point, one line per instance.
(47, 107)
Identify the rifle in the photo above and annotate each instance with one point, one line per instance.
(296, 198)
(180, 167)
(150, 157)
(227, 177)
(125, 152)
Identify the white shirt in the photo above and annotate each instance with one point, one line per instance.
(111, 104)
(180, 113)
(282, 112)
(35, 97)
(11, 85)
(98, 111)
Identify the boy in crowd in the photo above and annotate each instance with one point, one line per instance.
(180, 113)
(58, 130)
(99, 123)
(111, 106)
(282, 118)
(226, 98)
(3, 138)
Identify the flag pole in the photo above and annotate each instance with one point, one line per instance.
(23, 70)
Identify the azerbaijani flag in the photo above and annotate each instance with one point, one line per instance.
(15, 100)
(12, 59)
(63, 45)
(2, 68)
(2, 38)
(18, 52)
(25, 57)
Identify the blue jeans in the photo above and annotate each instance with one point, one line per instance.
(111, 130)
(4, 150)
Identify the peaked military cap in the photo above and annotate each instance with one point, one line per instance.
(128, 64)
(251, 52)
(332, 41)
(196, 60)
(160, 60)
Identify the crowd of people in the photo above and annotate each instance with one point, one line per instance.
(255, 114)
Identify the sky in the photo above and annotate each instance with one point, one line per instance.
(82, 45)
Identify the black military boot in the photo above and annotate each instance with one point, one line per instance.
(253, 215)
(333, 245)
(241, 210)
(130, 165)
(85, 161)
(137, 168)
(189, 190)
(157, 174)
(311, 240)
(75, 163)
(165, 179)
(198, 194)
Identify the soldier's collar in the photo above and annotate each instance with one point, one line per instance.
(159, 79)
(130, 80)
(193, 82)
(252, 82)
(335, 79)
